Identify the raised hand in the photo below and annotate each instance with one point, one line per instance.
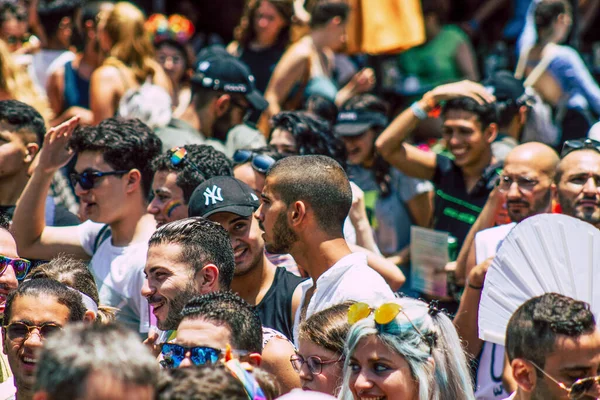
(470, 89)
(55, 152)
(363, 80)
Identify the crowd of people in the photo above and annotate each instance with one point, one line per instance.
(266, 219)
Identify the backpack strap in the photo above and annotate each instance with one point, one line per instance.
(104, 234)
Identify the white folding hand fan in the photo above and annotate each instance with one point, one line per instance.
(544, 253)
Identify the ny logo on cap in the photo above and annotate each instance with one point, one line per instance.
(213, 195)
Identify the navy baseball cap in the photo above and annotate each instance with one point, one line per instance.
(227, 74)
(223, 194)
(354, 123)
(505, 87)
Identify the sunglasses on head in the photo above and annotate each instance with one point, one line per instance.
(21, 331)
(259, 162)
(578, 389)
(20, 265)
(87, 179)
(179, 155)
(385, 314)
(579, 144)
(174, 354)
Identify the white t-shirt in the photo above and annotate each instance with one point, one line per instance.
(491, 361)
(348, 279)
(119, 274)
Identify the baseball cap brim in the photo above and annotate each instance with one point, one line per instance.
(241, 210)
(353, 129)
(257, 101)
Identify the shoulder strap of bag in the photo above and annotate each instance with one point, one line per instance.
(103, 234)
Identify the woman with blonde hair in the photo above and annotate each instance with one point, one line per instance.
(130, 60)
(16, 84)
(76, 275)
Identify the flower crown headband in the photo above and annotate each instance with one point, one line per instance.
(176, 27)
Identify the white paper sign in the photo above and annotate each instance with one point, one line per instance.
(428, 257)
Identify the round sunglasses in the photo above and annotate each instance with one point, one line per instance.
(21, 331)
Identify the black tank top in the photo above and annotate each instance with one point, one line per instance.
(275, 309)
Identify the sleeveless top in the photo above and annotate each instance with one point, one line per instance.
(77, 89)
(275, 309)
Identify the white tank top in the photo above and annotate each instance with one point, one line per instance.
(491, 360)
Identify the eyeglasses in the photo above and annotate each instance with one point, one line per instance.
(87, 179)
(20, 265)
(176, 60)
(174, 354)
(579, 144)
(180, 155)
(383, 315)
(314, 363)
(21, 331)
(524, 184)
(577, 389)
(259, 162)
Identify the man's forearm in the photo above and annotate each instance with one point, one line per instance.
(29, 218)
(391, 139)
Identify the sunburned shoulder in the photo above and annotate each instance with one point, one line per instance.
(107, 73)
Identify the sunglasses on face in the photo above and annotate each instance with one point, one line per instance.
(577, 389)
(259, 162)
(21, 331)
(245, 108)
(384, 315)
(179, 155)
(314, 363)
(579, 144)
(174, 354)
(88, 179)
(20, 265)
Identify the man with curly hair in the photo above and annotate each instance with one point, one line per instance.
(176, 175)
(553, 346)
(112, 178)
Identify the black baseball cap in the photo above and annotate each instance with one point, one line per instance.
(227, 74)
(354, 123)
(223, 194)
(505, 87)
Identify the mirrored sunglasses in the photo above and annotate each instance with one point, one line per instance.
(20, 265)
(259, 162)
(174, 354)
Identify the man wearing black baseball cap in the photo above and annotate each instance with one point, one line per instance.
(512, 109)
(223, 97)
(273, 291)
